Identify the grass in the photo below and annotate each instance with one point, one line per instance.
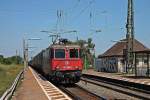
(7, 75)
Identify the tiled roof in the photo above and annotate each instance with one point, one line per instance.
(117, 49)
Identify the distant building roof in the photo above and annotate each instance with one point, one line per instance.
(117, 49)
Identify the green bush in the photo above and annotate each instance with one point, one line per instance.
(1, 58)
(11, 60)
(6, 61)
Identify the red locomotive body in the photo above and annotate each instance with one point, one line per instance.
(60, 62)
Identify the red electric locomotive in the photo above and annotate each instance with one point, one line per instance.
(60, 62)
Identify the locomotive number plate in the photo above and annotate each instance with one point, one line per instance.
(66, 62)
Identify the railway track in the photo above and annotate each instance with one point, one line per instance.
(75, 92)
(124, 89)
(78, 93)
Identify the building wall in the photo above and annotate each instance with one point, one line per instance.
(141, 64)
(116, 64)
(107, 64)
(121, 65)
(98, 64)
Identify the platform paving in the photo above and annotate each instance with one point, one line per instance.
(29, 89)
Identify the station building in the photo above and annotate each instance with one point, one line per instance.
(113, 59)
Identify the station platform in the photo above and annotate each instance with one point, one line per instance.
(29, 89)
(36, 87)
(119, 76)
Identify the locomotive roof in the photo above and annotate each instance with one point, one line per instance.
(64, 46)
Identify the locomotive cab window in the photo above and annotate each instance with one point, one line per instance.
(59, 53)
(74, 53)
(52, 53)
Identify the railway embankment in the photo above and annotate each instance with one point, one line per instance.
(7, 75)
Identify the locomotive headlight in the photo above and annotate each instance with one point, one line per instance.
(76, 67)
(57, 67)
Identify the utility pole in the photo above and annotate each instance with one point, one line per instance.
(130, 36)
(17, 57)
(26, 53)
(24, 56)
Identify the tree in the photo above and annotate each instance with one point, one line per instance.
(90, 44)
(11, 60)
(6, 61)
(1, 58)
(16, 59)
(87, 47)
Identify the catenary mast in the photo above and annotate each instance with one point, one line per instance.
(130, 35)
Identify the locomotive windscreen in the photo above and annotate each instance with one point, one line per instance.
(74, 53)
(59, 53)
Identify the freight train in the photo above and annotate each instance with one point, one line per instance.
(61, 63)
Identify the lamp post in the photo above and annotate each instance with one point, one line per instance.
(25, 51)
(30, 39)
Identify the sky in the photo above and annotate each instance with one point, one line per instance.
(26, 18)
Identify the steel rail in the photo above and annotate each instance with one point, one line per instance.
(78, 97)
(121, 88)
(9, 92)
(101, 97)
(73, 96)
(121, 83)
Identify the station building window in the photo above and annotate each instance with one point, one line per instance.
(137, 61)
(145, 61)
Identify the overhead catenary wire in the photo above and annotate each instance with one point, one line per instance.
(83, 10)
(71, 9)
